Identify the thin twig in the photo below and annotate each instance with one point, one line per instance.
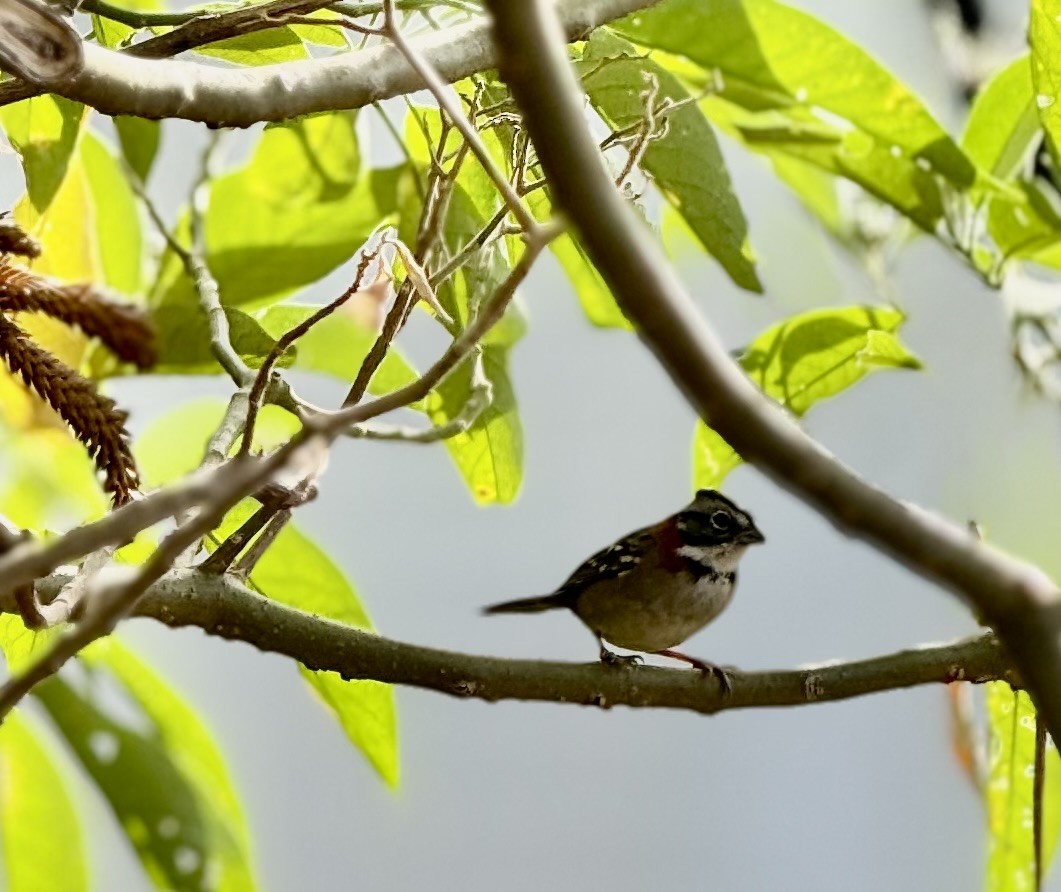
(465, 342)
(1037, 799)
(405, 297)
(249, 561)
(446, 101)
(289, 338)
(480, 396)
(135, 18)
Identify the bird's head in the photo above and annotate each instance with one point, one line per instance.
(713, 528)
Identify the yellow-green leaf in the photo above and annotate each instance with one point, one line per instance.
(751, 44)
(1010, 788)
(803, 360)
(44, 131)
(191, 747)
(683, 159)
(40, 834)
(179, 829)
(1044, 35)
(294, 571)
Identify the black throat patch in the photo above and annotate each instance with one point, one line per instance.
(702, 568)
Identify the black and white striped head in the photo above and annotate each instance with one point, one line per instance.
(711, 520)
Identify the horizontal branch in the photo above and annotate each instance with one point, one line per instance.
(118, 83)
(222, 606)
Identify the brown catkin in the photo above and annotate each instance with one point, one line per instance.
(95, 419)
(15, 240)
(123, 328)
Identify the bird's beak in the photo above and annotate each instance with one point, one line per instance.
(751, 536)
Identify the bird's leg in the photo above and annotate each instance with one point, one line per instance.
(611, 658)
(705, 667)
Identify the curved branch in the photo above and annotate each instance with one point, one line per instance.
(222, 606)
(117, 83)
(1016, 598)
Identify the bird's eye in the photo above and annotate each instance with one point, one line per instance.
(720, 520)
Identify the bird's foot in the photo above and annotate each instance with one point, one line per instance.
(619, 661)
(706, 668)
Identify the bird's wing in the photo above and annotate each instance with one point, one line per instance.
(610, 563)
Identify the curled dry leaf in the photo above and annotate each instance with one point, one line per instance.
(419, 279)
(366, 305)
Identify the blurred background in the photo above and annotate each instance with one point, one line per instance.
(864, 794)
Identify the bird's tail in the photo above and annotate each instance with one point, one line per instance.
(530, 605)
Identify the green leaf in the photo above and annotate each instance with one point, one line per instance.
(323, 34)
(139, 140)
(19, 645)
(184, 840)
(336, 346)
(191, 747)
(1044, 35)
(1003, 121)
(804, 360)
(49, 480)
(173, 444)
(266, 47)
(893, 177)
(311, 209)
(44, 132)
(593, 292)
(110, 33)
(40, 835)
(750, 43)
(1010, 791)
(184, 340)
(685, 162)
(489, 455)
(115, 216)
(294, 571)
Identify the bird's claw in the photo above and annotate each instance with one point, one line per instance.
(620, 661)
(724, 684)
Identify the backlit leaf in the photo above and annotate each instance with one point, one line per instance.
(40, 835)
(44, 131)
(750, 43)
(803, 360)
(311, 209)
(1003, 120)
(1044, 35)
(684, 160)
(1009, 793)
(294, 571)
(183, 838)
(191, 747)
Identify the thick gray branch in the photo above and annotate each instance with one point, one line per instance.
(1018, 600)
(120, 84)
(222, 606)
